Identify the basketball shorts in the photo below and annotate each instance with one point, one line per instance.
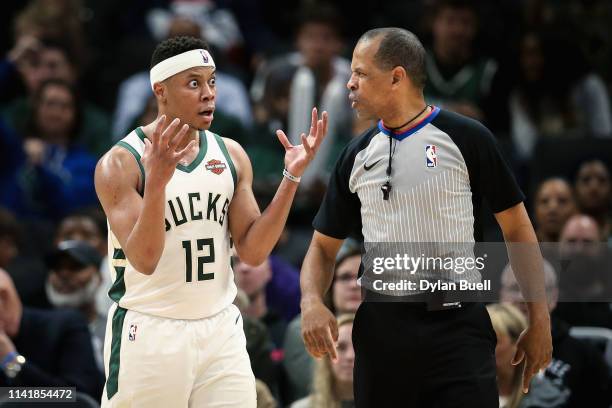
(159, 362)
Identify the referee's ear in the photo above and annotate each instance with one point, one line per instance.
(398, 75)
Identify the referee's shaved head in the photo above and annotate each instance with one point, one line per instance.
(399, 47)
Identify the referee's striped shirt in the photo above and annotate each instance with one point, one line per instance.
(442, 169)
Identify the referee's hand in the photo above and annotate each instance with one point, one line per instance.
(535, 346)
(319, 330)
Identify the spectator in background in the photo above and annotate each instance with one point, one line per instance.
(233, 108)
(594, 194)
(270, 113)
(9, 238)
(260, 347)
(554, 204)
(74, 279)
(345, 298)
(29, 273)
(333, 380)
(11, 142)
(508, 323)
(585, 275)
(218, 24)
(25, 48)
(26, 270)
(56, 346)
(265, 399)
(317, 75)
(148, 114)
(58, 19)
(552, 102)
(55, 175)
(580, 236)
(273, 290)
(458, 78)
(52, 59)
(84, 226)
(577, 369)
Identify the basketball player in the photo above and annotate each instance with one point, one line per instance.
(419, 176)
(174, 193)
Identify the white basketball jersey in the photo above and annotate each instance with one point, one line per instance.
(193, 278)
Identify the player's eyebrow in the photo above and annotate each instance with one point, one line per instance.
(194, 72)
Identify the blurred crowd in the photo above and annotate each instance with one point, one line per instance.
(74, 79)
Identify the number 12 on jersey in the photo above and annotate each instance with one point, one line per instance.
(210, 258)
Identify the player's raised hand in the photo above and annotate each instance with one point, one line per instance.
(319, 331)
(299, 156)
(161, 154)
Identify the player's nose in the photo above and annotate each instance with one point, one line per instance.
(208, 94)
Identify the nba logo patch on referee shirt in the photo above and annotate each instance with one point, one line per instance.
(431, 155)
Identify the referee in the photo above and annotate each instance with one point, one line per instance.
(420, 176)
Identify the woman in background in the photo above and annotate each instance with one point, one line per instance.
(51, 175)
(333, 381)
(508, 323)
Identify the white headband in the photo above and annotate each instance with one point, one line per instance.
(173, 65)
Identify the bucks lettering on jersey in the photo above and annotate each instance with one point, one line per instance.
(193, 278)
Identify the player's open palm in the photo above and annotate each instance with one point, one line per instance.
(319, 330)
(161, 152)
(299, 156)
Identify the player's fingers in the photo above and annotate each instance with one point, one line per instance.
(325, 116)
(170, 130)
(179, 155)
(282, 137)
(313, 119)
(306, 145)
(320, 135)
(147, 147)
(518, 356)
(159, 126)
(179, 136)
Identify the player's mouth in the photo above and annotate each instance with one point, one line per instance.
(207, 114)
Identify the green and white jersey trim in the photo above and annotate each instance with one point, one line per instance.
(193, 278)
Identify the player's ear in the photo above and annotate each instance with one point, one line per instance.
(398, 74)
(159, 90)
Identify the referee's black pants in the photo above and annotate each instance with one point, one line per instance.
(407, 356)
